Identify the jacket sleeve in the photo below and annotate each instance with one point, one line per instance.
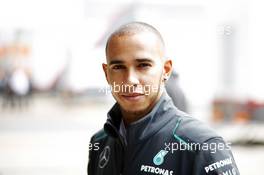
(215, 158)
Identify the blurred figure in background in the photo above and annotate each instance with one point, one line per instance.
(17, 88)
(20, 86)
(15, 68)
(175, 92)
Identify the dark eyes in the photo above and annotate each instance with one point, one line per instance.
(144, 65)
(141, 65)
(116, 67)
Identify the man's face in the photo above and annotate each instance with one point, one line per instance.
(135, 70)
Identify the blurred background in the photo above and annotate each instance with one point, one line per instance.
(53, 91)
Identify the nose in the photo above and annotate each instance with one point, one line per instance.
(132, 78)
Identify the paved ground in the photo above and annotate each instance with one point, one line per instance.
(48, 138)
(51, 138)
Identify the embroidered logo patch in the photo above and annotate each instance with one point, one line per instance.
(159, 158)
(104, 157)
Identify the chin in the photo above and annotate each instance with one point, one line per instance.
(134, 108)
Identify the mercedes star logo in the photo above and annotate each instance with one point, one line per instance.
(104, 157)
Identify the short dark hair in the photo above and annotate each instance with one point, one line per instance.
(133, 28)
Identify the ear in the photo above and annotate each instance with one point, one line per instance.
(105, 71)
(167, 69)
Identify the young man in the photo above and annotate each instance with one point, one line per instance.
(144, 132)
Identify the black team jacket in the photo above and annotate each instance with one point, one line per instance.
(164, 142)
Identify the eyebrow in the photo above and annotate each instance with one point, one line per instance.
(140, 60)
(144, 60)
(116, 62)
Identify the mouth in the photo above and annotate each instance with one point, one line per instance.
(132, 96)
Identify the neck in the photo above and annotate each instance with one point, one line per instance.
(130, 117)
